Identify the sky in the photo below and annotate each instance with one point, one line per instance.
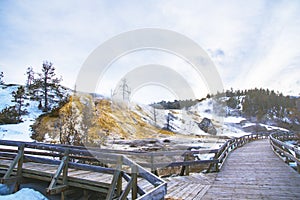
(252, 43)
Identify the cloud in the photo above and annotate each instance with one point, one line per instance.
(253, 43)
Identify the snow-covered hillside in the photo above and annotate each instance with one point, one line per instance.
(21, 131)
(140, 121)
(186, 120)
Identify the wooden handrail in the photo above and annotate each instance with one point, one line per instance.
(284, 150)
(105, 156)
(53, 152)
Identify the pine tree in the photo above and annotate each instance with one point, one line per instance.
(30, 76)
(1, 78)
(169, 118)
(9, 115)
(154, 115)
(18, 98)
(47, 86)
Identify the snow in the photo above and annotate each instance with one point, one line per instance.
(269, 127)
(17, 132)
(185, 121)
(232, 131)
(231, 119)
(248, 124)
(21, 131)
(4, 190)
(204, 108)
(23, 194)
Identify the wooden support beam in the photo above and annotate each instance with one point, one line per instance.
(119, 181)
(111, 191)
(20, 166)
(127, 190)
(57, 173)
(12, 166)
(63, 167)
(128, 179)
(298, 165)
(134, 175)
(57, 190)
(65, 174)
(59, 181)
(18, 161)
(10, 180)
(153, 169)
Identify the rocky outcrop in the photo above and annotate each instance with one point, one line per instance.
(207, 126)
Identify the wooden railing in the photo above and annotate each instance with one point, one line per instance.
(188, 158)
(232, 144)
(185, 159)
(289, 153)
(66, 157)
(119, 163)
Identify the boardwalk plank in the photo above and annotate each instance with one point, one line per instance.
(250, 172)
(255, 172)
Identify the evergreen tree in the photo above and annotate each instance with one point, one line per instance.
(47, 86)
(232, 102)
(9, 115)
(18, 98)
(169, 118)
(1, 78)
(154, 115)
(30, 76)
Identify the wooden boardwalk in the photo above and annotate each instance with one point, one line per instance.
(251, 171)
(255, 172)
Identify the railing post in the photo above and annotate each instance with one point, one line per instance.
(116, 184)
(153, 169)
(134, 174)
(234, 144)
(119, 181)
(298, 165)
(217, 163)
(65, 173)
(187, 168)
(287, 161)
(20, 165)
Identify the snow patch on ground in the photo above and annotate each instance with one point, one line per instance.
(269, 127)
(6, 96)
(231, 119)
(248, 124)
(23, 194)
(18, 132)
(232, 131)
(21, 131)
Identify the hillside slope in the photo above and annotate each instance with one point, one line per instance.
(84, 119)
